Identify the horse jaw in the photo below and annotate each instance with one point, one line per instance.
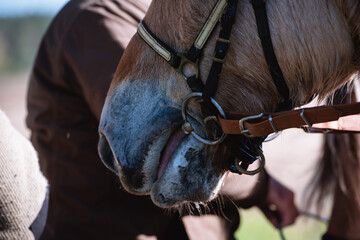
(136, 123)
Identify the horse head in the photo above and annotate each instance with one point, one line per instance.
(141, 139)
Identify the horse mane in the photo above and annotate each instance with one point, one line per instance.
(351, 10)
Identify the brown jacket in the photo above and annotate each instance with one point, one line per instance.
(71, 75)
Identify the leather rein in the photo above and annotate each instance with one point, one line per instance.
(243, 133)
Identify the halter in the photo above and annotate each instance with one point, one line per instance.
(246, 150)
(244, 144)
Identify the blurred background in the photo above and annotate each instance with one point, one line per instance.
(291, 158)
(22, 24)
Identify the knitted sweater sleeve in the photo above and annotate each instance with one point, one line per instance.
(22, 185)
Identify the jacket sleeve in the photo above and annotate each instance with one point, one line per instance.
(93, 46)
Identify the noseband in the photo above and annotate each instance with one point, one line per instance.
(245, 147)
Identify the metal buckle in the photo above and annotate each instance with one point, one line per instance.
(188, 129)
(244, 131)
(261, 158)
(184, 60)
(214, 58)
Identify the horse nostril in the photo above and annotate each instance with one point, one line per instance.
(131, 178)
(106, 153)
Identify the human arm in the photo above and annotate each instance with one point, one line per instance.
(279, 206)
(274, 199)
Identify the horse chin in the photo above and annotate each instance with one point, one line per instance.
(188, 177)
(183, 160)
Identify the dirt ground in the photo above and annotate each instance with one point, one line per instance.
(291, 158)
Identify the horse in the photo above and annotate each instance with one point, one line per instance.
(316, 45)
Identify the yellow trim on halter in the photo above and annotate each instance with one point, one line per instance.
(210, 24)
(200, 40)
(153, 43)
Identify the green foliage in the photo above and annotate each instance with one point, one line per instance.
(254, 226)
(19, 41)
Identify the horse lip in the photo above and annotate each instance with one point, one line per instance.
(173, 143)
(169, 150)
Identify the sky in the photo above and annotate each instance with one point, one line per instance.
(16, 8)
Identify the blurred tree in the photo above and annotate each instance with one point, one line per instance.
(19, 40)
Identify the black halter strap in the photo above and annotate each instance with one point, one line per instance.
(268, 50)
(176, 59)
(221, 47)
(172, 57)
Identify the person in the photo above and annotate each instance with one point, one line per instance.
(23, 188)
(72, 72)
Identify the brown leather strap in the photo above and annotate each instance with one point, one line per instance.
(336, 117)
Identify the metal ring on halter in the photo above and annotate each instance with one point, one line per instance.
(187, 127)
(252, 172)
(184, 61)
